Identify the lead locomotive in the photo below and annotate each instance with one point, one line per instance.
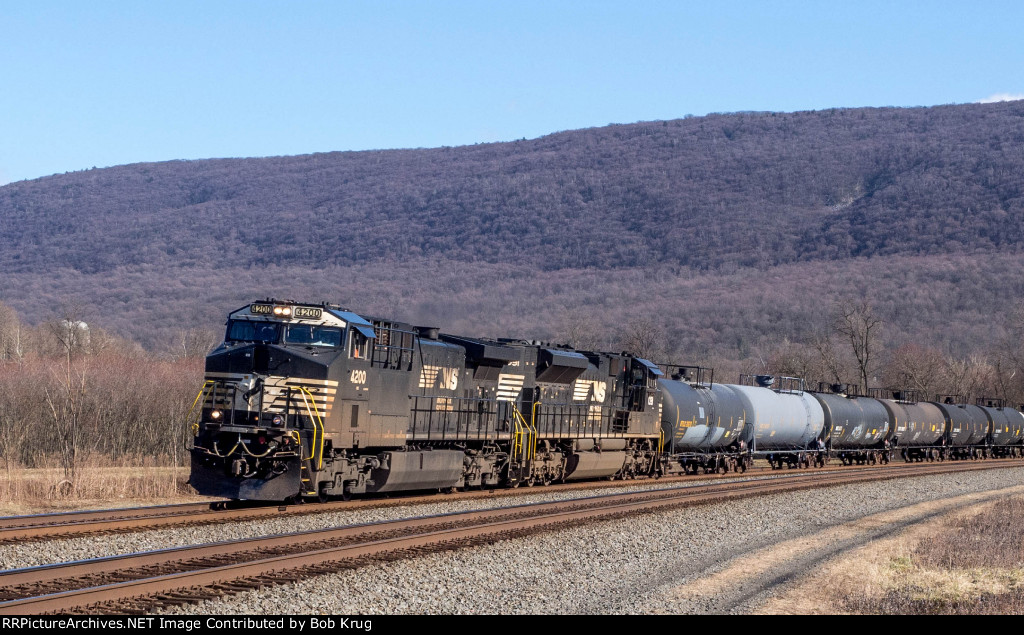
(306, 400)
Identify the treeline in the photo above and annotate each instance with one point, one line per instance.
(73, 395)
(849, 348)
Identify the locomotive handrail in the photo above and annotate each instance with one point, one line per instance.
(531, 433)
(208, 385)
(314, 415)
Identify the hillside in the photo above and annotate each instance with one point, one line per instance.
(726, 230)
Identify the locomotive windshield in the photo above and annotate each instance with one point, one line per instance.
(313, 335)
(246, 331)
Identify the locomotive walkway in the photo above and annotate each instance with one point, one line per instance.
(152, 580)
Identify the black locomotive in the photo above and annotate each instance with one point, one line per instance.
(315, 401)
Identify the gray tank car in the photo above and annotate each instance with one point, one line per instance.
(787, 425)
(858, 428)
(1007, 429)
(967, 429)
(918, 428)
(703, 423)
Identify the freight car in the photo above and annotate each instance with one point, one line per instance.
(315, 401)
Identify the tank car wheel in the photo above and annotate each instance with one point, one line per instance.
(546, 481)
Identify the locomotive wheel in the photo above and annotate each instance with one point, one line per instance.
(321, 495)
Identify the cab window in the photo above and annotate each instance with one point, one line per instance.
(360, 345)
(311, 335)
(249, 331)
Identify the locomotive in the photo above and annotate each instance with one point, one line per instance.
(313, 401)
(305, 400)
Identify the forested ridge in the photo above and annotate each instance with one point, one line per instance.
(773, 213)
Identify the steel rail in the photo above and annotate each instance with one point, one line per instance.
(374, 542)
(99, 522)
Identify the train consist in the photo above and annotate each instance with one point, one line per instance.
(315, 401)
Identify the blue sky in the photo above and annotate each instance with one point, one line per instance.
(86, 84)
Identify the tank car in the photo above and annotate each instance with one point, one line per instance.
(918, 427)
(314, 401)
(785, 423)
(1007, 428)
(858, 426)
(967, 429)
(704, 423)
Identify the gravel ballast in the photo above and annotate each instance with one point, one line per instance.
(609, 567)
(31, 554)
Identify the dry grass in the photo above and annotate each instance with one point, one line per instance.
(99, 483)
(888, 575)
(972, 564)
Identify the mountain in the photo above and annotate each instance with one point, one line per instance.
(725, 231)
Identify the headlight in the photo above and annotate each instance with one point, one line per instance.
(215, 415)
(278, 420)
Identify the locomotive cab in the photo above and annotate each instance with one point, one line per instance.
(268, 393)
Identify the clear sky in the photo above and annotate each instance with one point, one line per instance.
(103, 83)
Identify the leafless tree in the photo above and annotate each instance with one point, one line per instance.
(857, 323)
(578, 329)
(643, 338)
(195, 342)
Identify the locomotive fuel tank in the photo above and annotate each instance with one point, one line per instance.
(919, 424)
(854, 423)
(780, 420)
(701, 418)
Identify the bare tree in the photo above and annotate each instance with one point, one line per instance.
(831, 361)
(915, 368)
(856, 322)
(643, 338)
(12, 347)
(65, 401)
(578, 329)
(195, 342)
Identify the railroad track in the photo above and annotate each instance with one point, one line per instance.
(17, 529)
(140, 583)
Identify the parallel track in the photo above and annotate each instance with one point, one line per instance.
(144, 582)
(17, 529)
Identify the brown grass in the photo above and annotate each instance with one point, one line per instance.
(99, 483)
(971, 564)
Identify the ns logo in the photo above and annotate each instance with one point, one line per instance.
(439, 377)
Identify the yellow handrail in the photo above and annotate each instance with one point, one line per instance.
(531, 433)
(314, 415)
(200, 398)
(517, 436)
